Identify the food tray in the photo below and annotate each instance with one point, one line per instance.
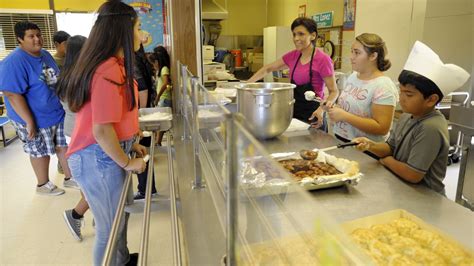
(218, 98)
(163, 123)
(258, 178)
(389, 216)
(305, 249)
(210, 116)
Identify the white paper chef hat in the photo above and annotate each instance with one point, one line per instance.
(424, 61)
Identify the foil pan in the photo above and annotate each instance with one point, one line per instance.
(257, 173)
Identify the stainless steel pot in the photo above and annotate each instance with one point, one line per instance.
(267, 107)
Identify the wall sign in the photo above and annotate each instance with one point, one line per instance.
(324, 20)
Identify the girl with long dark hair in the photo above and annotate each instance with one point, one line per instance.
(143, 73)
(101, 89)
(146, 92)
(161, 62)
(72, 217)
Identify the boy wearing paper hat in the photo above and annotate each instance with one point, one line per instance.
(417, 149)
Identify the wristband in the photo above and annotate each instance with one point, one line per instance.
(126, 163)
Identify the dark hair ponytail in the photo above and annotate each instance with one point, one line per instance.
(160, 55)
(374, 44)
(74, 47)
(383, 64)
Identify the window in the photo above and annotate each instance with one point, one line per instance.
(43, 18)
(76, 23)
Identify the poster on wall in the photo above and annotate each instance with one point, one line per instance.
(302, 11)
(151, 16)
(349, 14)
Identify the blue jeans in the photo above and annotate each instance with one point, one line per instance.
(101, 180)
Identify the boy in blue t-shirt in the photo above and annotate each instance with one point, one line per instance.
(27, 78)
(417, 149)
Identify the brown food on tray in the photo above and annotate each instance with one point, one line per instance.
(305, 168)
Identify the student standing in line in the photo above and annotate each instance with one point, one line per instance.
(72, 217)
(144, 76)
(28, 76)
(417, 149)
(101, 89)
(161, 62)
(60, 39)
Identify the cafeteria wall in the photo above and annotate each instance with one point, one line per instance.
(399, 23)
(25, 4)
(246, 17)
(449, 30)
(446, 26)
(59, 5)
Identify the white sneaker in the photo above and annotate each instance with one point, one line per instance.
(71, 183)
(49, 189)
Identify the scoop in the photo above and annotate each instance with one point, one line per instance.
(343, 145)
(308, 154)
(311, 96)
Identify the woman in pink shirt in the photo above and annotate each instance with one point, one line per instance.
(310, 68)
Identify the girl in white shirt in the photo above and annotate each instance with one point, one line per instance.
(367, 103)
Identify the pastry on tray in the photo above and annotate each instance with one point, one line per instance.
(403, 242)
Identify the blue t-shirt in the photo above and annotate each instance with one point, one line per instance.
(34, 78)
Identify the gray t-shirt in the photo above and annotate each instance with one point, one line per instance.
(423, 144)
(69, 120)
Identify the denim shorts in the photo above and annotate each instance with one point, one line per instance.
(45, 142)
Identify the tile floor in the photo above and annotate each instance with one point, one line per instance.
(32, 229)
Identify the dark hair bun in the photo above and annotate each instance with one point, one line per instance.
(386, 64)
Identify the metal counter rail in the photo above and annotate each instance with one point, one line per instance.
(185, 97)
(143, 251)
(232, 194)
(174, 212)
(111, 243)
(198, 182)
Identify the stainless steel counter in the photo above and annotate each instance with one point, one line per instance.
(379, 190)
(200, 210)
